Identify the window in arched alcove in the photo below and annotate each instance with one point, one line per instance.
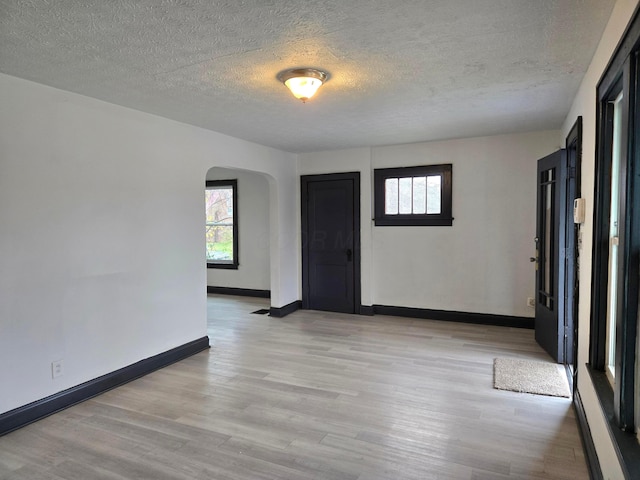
(237, 233)
(221, 199)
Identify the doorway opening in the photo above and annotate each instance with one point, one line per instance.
(237, 231)
(557, 243)
(573, 145)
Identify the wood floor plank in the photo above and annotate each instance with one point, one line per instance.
(314, 395)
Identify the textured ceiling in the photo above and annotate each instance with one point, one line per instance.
(401, 71)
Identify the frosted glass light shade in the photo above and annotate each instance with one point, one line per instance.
(303, 82)
(303, 87)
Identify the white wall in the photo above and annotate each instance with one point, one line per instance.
(101, 237)
(584, 104)
(253, 232)
(481, 263)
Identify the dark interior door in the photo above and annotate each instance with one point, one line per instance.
(331, 242)
(550, 239)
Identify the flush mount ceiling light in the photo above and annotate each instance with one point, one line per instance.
(303, 82)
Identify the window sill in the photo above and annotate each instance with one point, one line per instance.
(624, 443)
(224, 266)
(413, 222)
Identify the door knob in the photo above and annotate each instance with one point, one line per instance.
(533, 259)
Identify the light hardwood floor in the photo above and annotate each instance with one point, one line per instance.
(313, 396)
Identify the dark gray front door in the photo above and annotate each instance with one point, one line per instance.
(549, 304)
(331, 242)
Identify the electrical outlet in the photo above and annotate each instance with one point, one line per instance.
(56, 368)
(531, 302)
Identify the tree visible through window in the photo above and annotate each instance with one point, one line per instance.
(221, 223)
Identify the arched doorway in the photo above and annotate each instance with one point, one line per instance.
(238, 233)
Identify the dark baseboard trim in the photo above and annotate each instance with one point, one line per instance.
(21, 416)
(595, 472)
(280, 312)
(449, 316)
(243, 292)
(366, 310)
(624, 443)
